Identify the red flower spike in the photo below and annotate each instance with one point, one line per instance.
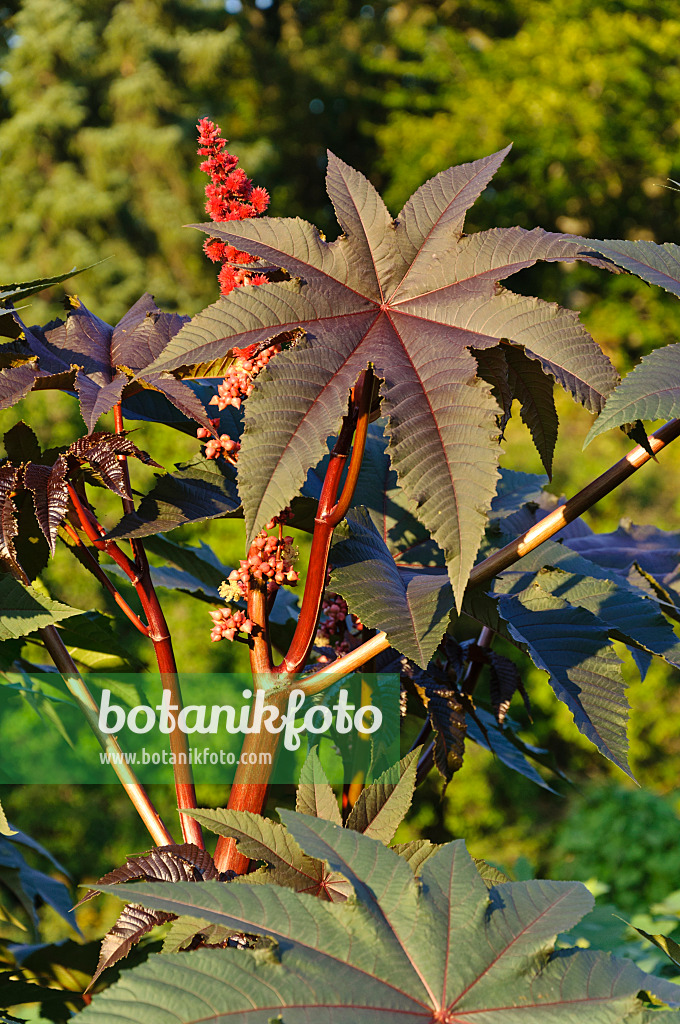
(230, 195)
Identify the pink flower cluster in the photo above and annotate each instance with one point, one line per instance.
(238, 383)
(270, 559)
(230, 195)
(219, 447)
(228, 622)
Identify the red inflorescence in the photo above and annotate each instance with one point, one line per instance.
(230, 195)
(270, 560)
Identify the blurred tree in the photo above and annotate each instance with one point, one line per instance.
(97, 150)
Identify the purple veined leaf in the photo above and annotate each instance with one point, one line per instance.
(101, 450)
(96, 400)
(16, 382)
(442, 949)
(143, 333)
(410, 297)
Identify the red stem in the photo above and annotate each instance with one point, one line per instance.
(159, 634)
(249, 789)
(97, 571)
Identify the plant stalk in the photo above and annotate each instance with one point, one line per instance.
(159, 634)
(88, 705)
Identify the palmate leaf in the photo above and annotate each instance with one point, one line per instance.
(445, 950)
(410, 297)
(98, 360)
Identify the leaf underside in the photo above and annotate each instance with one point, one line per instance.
(411, 297)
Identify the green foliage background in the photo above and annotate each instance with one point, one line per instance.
(98, 104)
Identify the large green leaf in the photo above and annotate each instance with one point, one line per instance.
(412, 606)
(24, 609)
(411, 297)
(445, 949)
(650, 392)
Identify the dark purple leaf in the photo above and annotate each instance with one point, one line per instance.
(9, 482)
(504, 682)
(50, 496)
(96, 400)
(198, 490)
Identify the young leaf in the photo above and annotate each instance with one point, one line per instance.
(134, 922)
(650, 392)
(447, 949)
(410, 297)
(259, 838)
(447, 715)
(411, 606)
(314, 794)
(382, 806)
(504, 682)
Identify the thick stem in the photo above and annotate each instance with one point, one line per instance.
(249, 789)
(134, 789)
(159, 634)
(303, 638)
